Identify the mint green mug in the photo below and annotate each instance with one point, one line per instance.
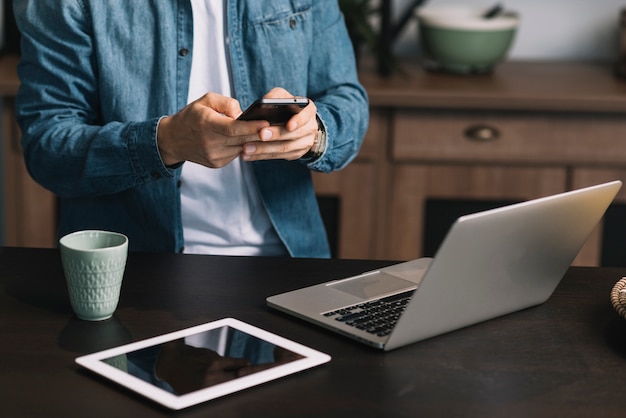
(94, 262)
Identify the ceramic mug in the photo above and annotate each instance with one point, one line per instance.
(94, 262)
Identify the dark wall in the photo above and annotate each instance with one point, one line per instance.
(11, 34)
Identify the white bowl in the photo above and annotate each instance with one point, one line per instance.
(465, 18)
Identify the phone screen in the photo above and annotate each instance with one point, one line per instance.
(275, 111)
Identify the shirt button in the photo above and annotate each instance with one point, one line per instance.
(292, 23)
(179, 184)
(183, 52)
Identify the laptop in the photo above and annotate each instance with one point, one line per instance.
(490, 264)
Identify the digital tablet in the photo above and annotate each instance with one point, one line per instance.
(201, 363)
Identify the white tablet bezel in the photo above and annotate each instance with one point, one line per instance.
(94, 362)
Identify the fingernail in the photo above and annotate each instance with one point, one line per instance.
(249, 149)
(266, 134)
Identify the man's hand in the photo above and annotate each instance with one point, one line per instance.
(288, 142)
(207, 132)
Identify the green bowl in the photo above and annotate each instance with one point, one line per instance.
(459, 40)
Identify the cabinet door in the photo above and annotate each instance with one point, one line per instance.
(598, 243)
(29, 209)
(354, 189)
(357, 188)
(413, 185)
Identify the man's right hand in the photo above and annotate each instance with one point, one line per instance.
(206, 132)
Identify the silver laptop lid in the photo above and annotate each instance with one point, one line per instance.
(500, 261)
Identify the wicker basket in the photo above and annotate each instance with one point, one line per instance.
(618, 297)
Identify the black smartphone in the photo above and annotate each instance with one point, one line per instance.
(275, 111)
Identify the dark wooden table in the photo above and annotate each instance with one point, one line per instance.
(566, 357)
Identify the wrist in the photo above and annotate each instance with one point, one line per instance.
(320, 142)
(163, 141)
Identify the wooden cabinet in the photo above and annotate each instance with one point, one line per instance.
(414, 184)
(525, 131)
(360, 188)
(530, 129)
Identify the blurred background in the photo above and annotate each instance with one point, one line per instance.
(549, 30)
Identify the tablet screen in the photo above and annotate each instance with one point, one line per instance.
(200, 363)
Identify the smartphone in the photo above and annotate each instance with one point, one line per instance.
(275, 111)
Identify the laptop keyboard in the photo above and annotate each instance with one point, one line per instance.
(376, 317)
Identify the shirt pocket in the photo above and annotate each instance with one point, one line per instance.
(278, 42)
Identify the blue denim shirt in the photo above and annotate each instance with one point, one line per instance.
(96, 76)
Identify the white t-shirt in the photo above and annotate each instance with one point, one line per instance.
(222, 212)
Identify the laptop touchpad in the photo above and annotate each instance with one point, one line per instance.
(372, 285)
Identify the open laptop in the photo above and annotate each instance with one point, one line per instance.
(490, 264)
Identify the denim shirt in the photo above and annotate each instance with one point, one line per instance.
(96, 76)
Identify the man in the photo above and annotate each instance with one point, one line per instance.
(128, 110)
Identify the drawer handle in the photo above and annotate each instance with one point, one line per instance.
(482, 133)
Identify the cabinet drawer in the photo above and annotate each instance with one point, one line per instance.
(509, 137)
